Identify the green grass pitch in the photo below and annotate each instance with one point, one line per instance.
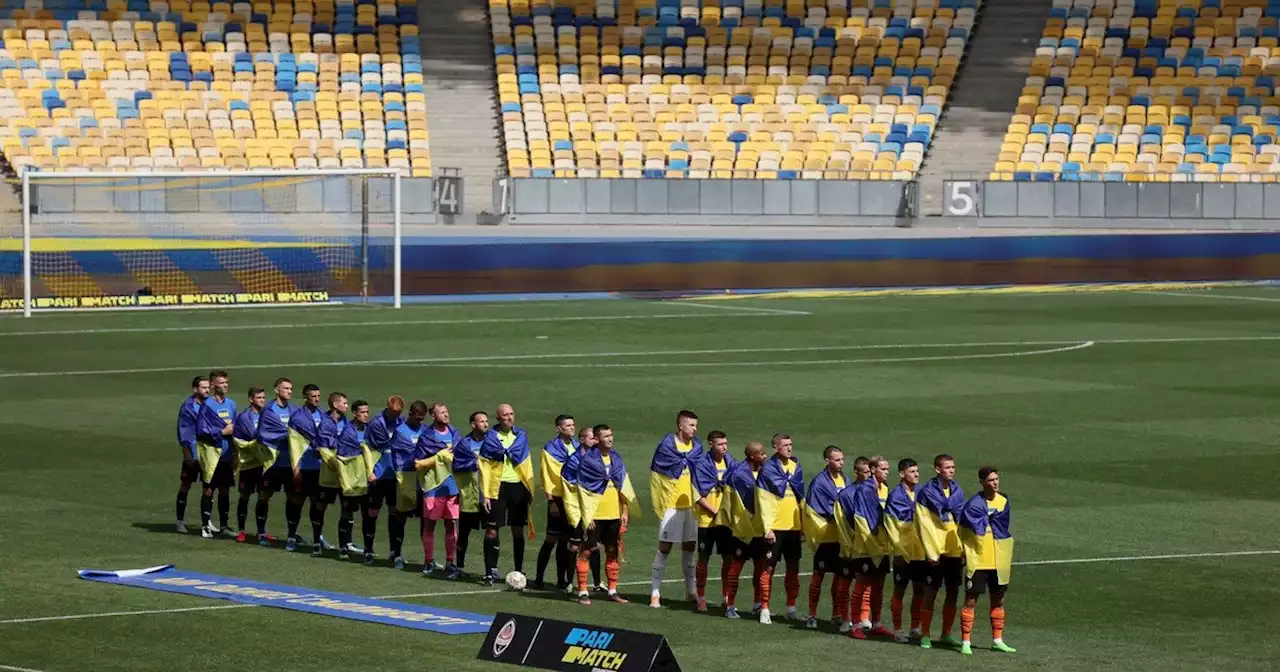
(1136, 435)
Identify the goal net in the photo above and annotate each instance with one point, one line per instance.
(212, 239)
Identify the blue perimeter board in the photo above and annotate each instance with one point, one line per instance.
(416, 616)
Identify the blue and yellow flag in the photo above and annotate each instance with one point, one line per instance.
(209, 426)
(304, 430)
(347, 462)
(589, 481)
(868, 522)
(273, 430)
(709, 483)
(670, 482)
(492, 456)
(465, 467)
(326, 444)
(555, 453)
(251, 454)
(986, 537)
(900, 524)
(773, 484)
(739, 504)
(936, 512)
(818, 518)
(438, 470)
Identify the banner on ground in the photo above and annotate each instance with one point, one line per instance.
(417, 616)
(574, 647)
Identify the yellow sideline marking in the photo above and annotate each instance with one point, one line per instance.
(958, 291)
(144, 244)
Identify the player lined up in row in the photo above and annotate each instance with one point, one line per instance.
(760, 509)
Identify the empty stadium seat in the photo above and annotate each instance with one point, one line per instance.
(1151, 91)
(770, 89)
(188, 84)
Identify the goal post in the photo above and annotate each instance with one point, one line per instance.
(150, 240)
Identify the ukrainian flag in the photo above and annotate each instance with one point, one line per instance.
(303, 432)
(438, 470)
(209, 426)
(708, 483)
(936, 519)
(900, 524)
(738, 507)
(817, 519)
(868, 522)
(273, 429)
(328, 437)
(772, 486)
(250, 452)
(348, 464)
(985, 535)
(465, 467)
(667, 472)
(589, 481)
(554, 456)
(492, 455)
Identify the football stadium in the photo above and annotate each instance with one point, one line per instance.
(639, 335)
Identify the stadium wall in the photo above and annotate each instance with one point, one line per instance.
(545, 264)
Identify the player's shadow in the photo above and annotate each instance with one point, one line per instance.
(166, 528)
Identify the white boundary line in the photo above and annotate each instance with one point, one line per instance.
(1202, 295)
(485, 591)
(766, 311)
(441, 361)
(746, 312)
(15, 668)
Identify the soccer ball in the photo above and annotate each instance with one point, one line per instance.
(516, 581)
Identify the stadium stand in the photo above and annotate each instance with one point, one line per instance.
(770, 89)
(149, 84)
(1150, 90)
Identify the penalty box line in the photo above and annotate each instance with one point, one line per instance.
(485, 591)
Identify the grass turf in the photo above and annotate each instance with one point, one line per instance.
(1156, 440)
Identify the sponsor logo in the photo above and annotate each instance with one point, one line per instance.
(591, 648)
(504, 637)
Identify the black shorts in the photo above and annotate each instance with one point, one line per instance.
(915, 571)
(511, 507)
(716, 539)
(948, 571)
(382, 492)
(470, 520)
(278, 479)
(557, 522)
(326, 495)
(190, 472)
(249, 479)
(787, 546)
(827, 557)
(310, 485)
(983, 580)
(223, 475)
(848, 568)
(865, 565)
(605, 532)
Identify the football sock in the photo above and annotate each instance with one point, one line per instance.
(316, 514)
(242, 512)
(595, 567)
(842, 599)
(292, 516)
(700, 574)
(689, 563)
(764, 586)
(837, 591)
(346, 526)
(611, 569)
(948, 619)
(206, 510)
(757, 568)
(491, 549)
(926, 619)
(369, 530)
(429, 542)
(732, 574)
(544, 558)
(877, 599)
(566, 564)
(396, 526)
(725, 564)
(582, 573)
(517, 548)
(997, 623)
(450, 541)
(464, 538)
(260, 515)
(895, 608)
(815, 593)
(856, 611)
(224, 508)
(864, 613)
(917, 601)
(657, 573)
(966, 623)
(791, 580)
(182, 505)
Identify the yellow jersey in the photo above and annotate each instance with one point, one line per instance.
(509, 474)
(610, 507)
(684, 484)
(788, 518)
(986, 543)
(713, 498)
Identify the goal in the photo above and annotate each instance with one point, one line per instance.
(151, 240)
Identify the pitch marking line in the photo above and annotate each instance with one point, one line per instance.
(693, 303)
(15, 668)
(478, 360)
(735, 311)
(1215, 295)
(485, 591)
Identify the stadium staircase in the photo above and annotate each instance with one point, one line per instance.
(969, 134)
(458, 73)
